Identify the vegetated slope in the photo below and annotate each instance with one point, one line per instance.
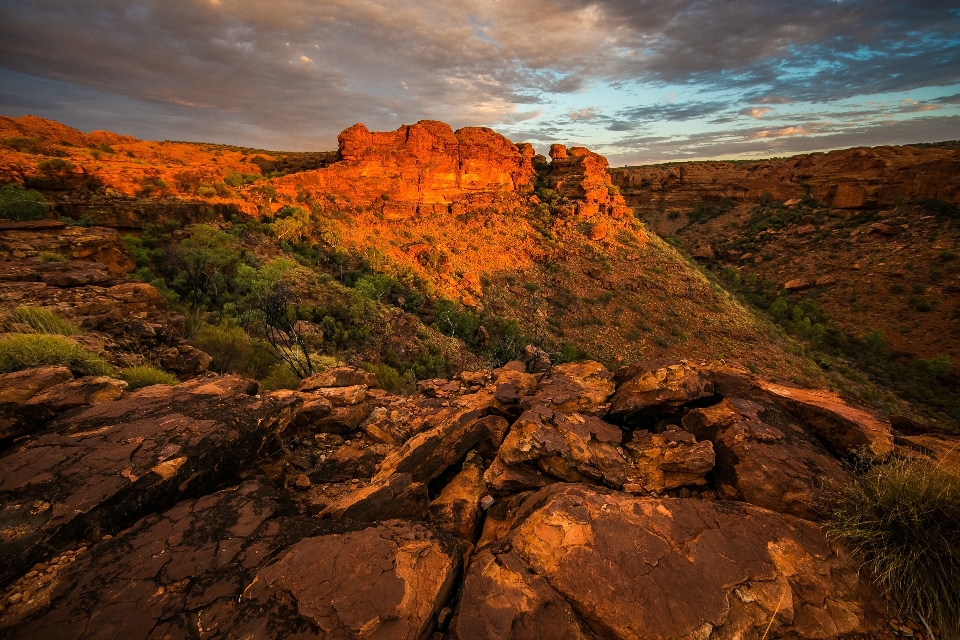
(855, 251)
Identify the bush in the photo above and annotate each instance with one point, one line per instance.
(392, 380)
(27, 351)
(45, 321)
(19, 204)
(280, 377)
(147, 375)
(50, 256)
(903, 520)
(228, 345)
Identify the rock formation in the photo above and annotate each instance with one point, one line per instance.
(846, 179)
(582, 176)
(422, 168)
(665, 500)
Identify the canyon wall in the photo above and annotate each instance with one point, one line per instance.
(860, 178)
(420, 168)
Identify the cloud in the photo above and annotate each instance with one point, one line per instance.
(782, 132)
(586, 114)
(774, 100)
(743, 144)
(755, 112)
(273, 69)
(912, 106)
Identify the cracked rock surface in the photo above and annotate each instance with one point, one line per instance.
(240, 564)
(583, 563)
(98, 471)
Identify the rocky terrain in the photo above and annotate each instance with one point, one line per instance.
(666, 500)
(870, 235)
(523, 414)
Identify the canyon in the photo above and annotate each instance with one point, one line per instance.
(541, 401)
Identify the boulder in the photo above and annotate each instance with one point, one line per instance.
(397, 496)
(582, 563)
(669, 460)
(536, 359)
(765, 457)
(343, 396)
(82, 392)
(505, 477)
(457, 509)
(653, 385)
(338, 377)
(16, 390)
(842, 428)
(346, 419)
(315, 408)
(582, 387)
(95, 472)
(233, 565)
(185, 360)
(349, 461)
(571, 447)
(450, 434)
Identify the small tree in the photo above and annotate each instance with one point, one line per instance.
(279, 308)
(206, 262)
(56, 170)
(17, 203)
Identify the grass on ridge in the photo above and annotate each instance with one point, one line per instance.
(44, 321)
(146, 375)
(27, 351)
(902, 519)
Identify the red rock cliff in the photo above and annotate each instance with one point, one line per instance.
(580, 174)
(425, 167)
(847, 179)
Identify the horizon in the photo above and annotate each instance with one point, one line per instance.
(641, 84)
(612, 166)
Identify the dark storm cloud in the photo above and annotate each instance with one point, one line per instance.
(295, 72)
(813, 50)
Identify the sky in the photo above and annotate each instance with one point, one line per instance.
(639, 81)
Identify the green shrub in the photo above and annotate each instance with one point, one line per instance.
(27, 351)
(392, 380)
(903, 520)
(19, 204)
(923, 306)
(147, 375)
(45, 321)
(228, 345)
(50, 256)
(280, 377)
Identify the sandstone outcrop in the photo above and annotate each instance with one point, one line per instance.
(422, 168)
(575, 520)
(93, 473)
(782, 468)
(846, 179)
(581, 564)
(233, 564)
(83, 245)
(582, 176)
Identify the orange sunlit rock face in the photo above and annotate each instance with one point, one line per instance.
(581, 175)
(421, 168)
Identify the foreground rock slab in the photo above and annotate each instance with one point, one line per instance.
(233, 565)
(581, 563)
(843, 428)
(100, 470)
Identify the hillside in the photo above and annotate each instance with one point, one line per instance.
(463, 215)
(871, 236)
(433, 385)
